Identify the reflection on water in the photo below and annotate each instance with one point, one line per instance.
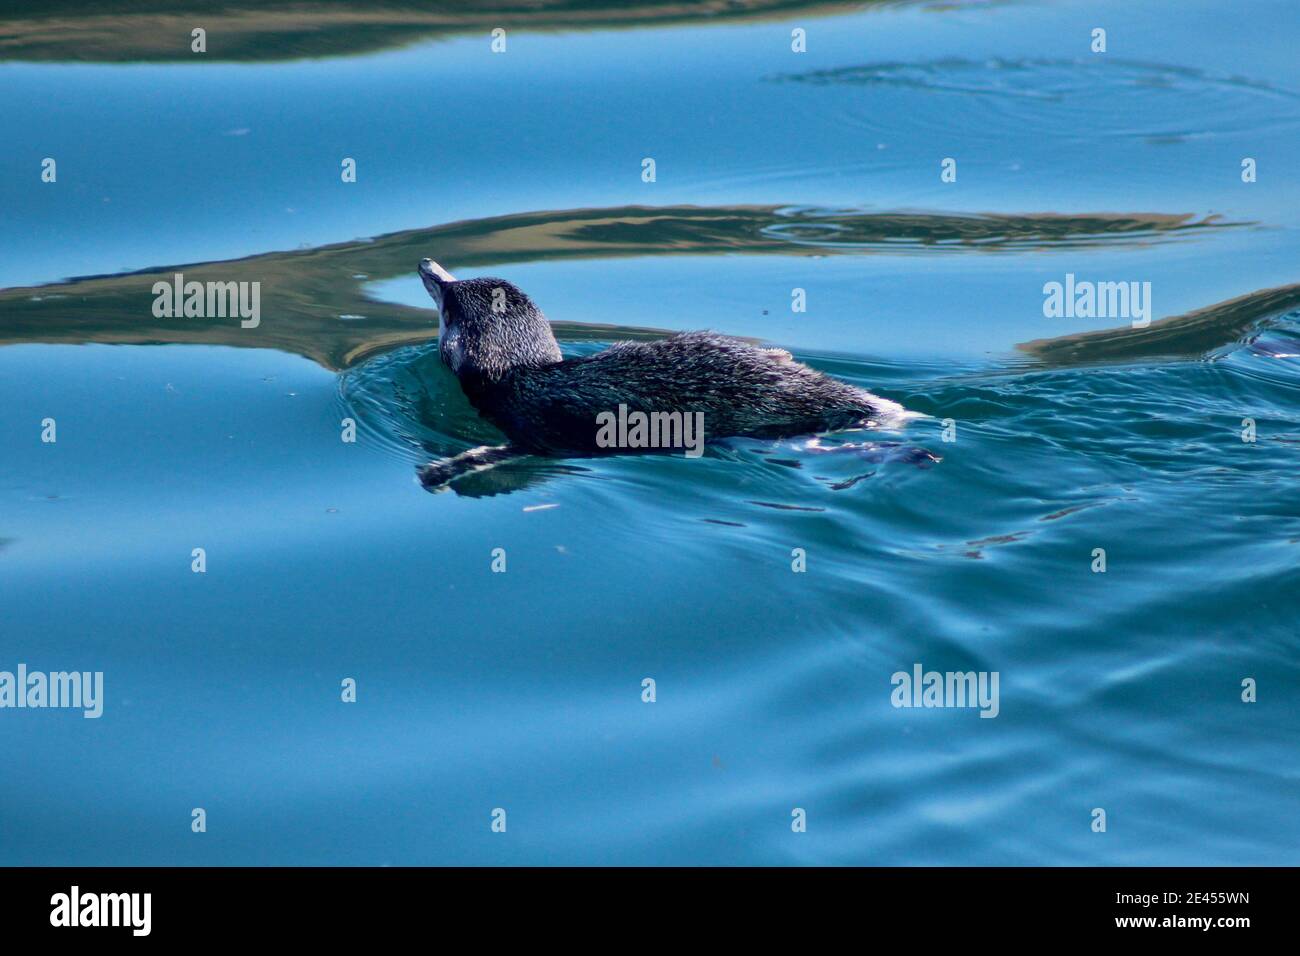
(159, 30)
(314, 298)
(965, 541)
(1188, 335)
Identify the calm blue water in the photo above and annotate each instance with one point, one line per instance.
(478, 690)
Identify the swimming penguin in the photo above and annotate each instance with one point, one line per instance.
(686, 388)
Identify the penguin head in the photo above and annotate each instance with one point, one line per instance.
(489, 326)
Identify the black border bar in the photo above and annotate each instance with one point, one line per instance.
(366, 904)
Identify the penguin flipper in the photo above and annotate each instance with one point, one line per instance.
(436, 475)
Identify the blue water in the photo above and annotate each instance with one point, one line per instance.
(522, 690)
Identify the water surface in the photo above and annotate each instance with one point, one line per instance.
(775, 171)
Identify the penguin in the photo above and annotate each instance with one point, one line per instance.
(664, 396)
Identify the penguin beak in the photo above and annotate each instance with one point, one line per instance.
(430, 271)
